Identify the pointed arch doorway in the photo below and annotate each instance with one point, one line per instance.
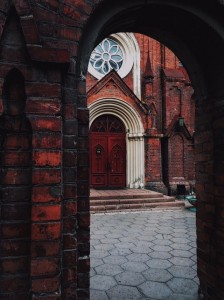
(107, 153)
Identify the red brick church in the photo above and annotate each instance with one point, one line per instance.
(142, 116)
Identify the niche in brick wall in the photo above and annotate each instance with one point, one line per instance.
(176, 157)
(16, 187)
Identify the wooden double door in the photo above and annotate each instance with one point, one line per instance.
(108, 153)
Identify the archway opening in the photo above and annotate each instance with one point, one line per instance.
(169, 23)
(153, 101)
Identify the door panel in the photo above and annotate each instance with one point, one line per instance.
(108, 153)
(99, 161)
(116, 158)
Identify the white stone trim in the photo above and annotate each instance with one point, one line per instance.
(135, 171)
(131, 52)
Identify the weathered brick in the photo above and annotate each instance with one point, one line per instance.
(46, 213)
(47, 140)
(47, 158)
(45, 107)
(46, 123)
(46, 194)
(17, 265)
(46, 231)
(46, 285)
(45, 248)
(46, 176)
(44, 266)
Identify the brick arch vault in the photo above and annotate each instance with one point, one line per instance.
(195, 32)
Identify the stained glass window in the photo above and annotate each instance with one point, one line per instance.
(106, 56)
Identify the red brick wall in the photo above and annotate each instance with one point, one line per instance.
(46, 55)
(171, 95)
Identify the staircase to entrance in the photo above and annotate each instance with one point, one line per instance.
(130, 200)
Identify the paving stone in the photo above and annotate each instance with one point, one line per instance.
(104, 247)
(158, 263)
(155, 290)
(109, 241)
(160, 254)
(193, 244)
(134, 266)
(181, 246)
(136, 235)
(180, 240)
(181, 261)
(138, 257)
(183, 286)
(95, 242)
(162, 242)
(182, 297)
(179, 235)
(120, 251)
(193, 233)
(184, 272)
(194, 258)
(115, 259)
(141, 250)
(196, 280)
(193, 251)
(108, 269)
(99, 254)
(98, 295)
(126, 239)
(102, 283)
(143, 237)
(144, 244)
(162, 237)
(95, 262)
(114, 235)
(121, 292)
(191, 238)
(180, 230)
(159, 275)
(181, 253)
(92, 272)
(167, 230)
(161, 248)
(100, 232)
(124, 245)
(130, 278)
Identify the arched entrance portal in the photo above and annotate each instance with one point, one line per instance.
(108, 153)
(134, 133)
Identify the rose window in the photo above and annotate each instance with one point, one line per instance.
(107, 56)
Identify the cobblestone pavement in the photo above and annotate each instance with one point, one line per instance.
(143, 255)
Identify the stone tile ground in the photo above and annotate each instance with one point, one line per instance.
(143, 255)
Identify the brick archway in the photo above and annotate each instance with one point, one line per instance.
(52, 47)
(169, 22)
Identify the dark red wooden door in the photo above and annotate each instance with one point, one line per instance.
(108, 153)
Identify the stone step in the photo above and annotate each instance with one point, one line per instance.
(130, 201)
(128, 196)
(135, 207)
